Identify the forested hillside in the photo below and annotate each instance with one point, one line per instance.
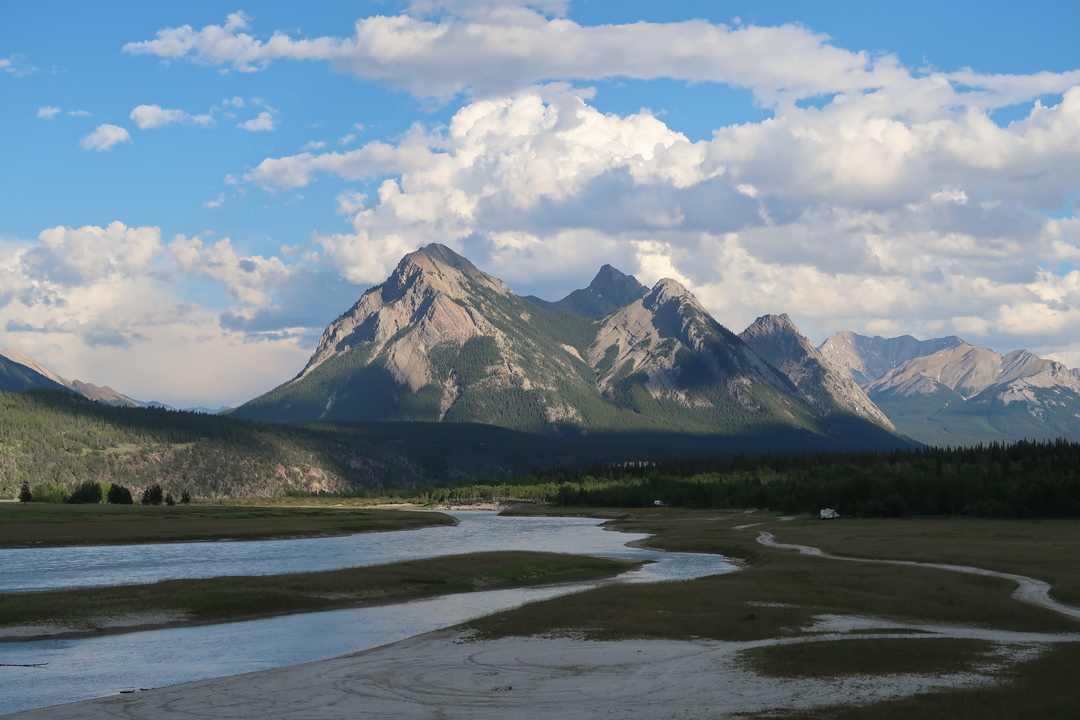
(57, 437)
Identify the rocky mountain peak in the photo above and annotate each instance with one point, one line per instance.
(439, 268)
(617, 287)
(104, 394)
(429, 298)
(434, 342)
(667, 291)
(776, 340)
(779, 333)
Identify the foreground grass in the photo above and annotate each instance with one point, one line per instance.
(1046, 549)
(229, 598)
(1044, 688)
(868, 657)
(779, 593)
(46, 524)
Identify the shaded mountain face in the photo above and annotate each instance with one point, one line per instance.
(827, 388)
(35, 374)
(609, 291)
(868, 358)
(441, 340)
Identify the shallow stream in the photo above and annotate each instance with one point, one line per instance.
(95, 667)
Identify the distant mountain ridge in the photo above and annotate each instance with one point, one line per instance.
(441, 340)
(41, 376)
(947, 392)
(608, 291)
(868, 358)
(19, 372)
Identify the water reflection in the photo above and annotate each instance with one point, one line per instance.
(96, 667)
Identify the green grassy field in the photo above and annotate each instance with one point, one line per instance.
(230, 598)
(46, 524)
(779, 593)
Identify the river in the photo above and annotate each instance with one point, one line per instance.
(79, 669)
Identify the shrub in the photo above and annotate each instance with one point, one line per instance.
(49, 492)
(120, 495)
(153, 495)
(25, 495)
(169, 499)
(185, 497)
(88, 493)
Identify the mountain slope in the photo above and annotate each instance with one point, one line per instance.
(777, 340)
(439, 340)
(442, 341)
(17, 377)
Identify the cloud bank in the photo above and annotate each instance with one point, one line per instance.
(873, 196)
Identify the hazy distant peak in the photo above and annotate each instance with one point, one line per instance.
(869, 358)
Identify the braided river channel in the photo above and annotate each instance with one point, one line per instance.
(78, 669)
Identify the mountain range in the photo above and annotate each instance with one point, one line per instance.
(440, 340)
(948, 392)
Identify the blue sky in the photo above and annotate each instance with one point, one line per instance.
(192, 191)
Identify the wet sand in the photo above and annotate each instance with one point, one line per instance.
(447, 675)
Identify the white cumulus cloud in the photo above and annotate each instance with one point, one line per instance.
(264, 122)
(47, 112)
(105, 137)
(147, 117)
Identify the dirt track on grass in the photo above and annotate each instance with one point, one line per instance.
(1028, 590)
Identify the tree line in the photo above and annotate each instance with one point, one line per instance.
(1023, 479)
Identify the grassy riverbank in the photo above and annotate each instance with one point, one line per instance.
(780, 593)
(47, 524)
(130, 607)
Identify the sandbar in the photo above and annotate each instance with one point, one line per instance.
(449, 675)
